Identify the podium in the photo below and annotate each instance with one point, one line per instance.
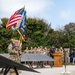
(57, 59)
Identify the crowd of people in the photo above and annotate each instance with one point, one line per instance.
(43, 50)
(69, 56)
(15, 46)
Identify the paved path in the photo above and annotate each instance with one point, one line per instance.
(52, 71)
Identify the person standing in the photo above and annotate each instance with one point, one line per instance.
(14, 50)
(52, 51)
(73, 55)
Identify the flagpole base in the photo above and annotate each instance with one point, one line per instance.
(65, 73)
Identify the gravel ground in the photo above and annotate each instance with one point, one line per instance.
(52, 71)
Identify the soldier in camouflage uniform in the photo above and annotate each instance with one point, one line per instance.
(14, 49)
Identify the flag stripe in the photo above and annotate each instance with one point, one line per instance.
(13, 21)
(15, 18)
(11, 24)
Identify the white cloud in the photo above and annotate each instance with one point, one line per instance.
(35, 7)
(32, 6)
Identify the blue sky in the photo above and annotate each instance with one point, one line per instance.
(57, 12)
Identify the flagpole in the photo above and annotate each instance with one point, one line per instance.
(21, 35)
(22, 8)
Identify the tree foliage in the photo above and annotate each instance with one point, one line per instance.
(39, 33)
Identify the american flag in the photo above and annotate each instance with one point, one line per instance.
(15, 18)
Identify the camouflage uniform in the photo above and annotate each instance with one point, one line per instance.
(14, 49)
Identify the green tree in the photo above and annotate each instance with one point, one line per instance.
(6, 35)
(36, 30)
(39, 33)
